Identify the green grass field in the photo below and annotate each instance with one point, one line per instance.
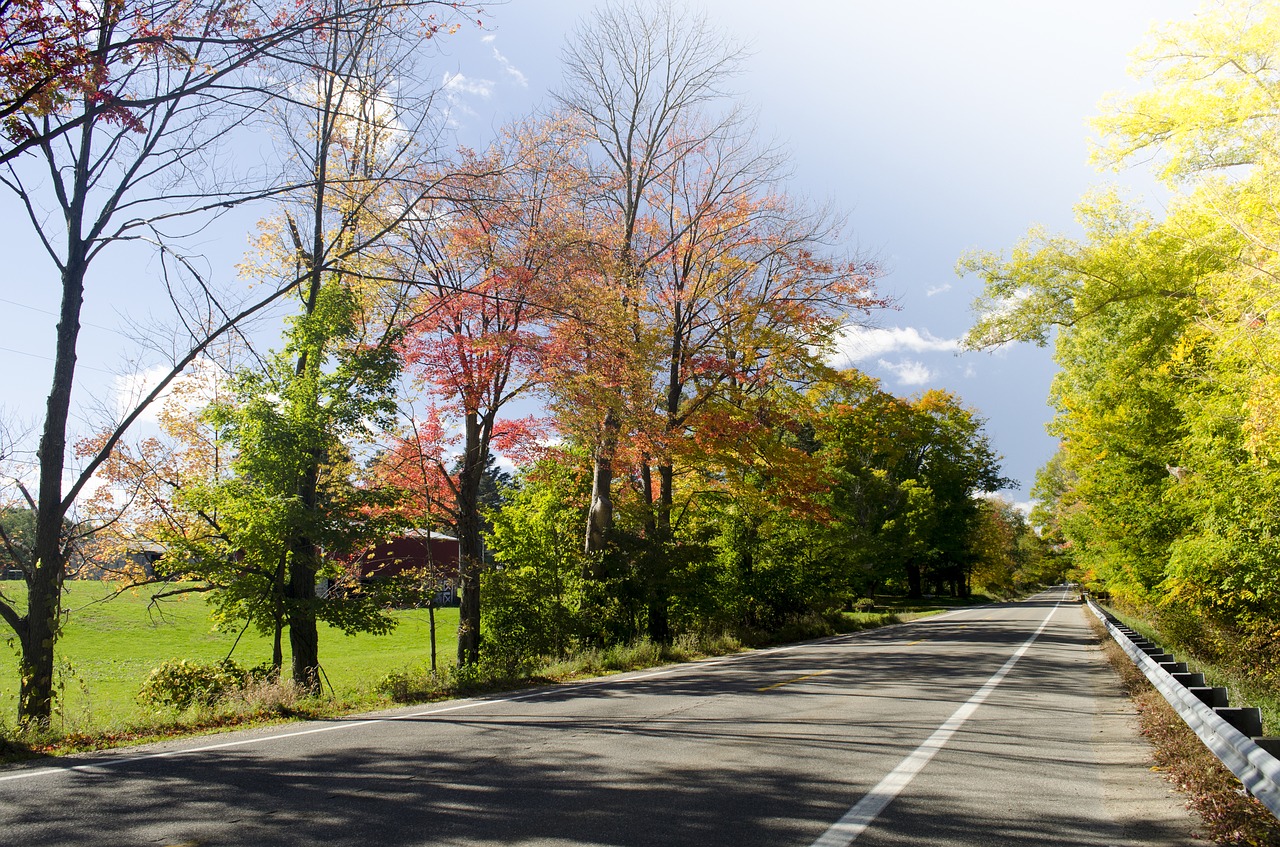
(110, 646)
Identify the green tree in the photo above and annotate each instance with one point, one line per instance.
(1163, 489)
(1124, 301)
(287, 511)
(907, 472)
(535, 594)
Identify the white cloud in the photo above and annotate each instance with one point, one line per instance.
(511, 69)
(129, 390)
(908, 372)
(194, 389)
(1023, 506)
(487, 39)
(857, 343)
(456, 84)
(937, 289)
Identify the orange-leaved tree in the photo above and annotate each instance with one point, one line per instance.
(483, 258)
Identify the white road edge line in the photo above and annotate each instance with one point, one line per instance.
(846, 830)
(97, 767)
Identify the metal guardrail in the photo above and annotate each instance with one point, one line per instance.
(1257, 769)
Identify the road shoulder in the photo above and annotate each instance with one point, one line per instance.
(1143, 804)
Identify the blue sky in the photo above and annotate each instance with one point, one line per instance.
(939, 126)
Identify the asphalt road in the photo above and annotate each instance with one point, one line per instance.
(995, 725)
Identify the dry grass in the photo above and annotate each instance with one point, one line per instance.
(1230, 816)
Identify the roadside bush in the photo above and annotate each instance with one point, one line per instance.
(803, 628)
(641, 653)
(414, 684)
(534, 598)
(265, 695)
(182, 684)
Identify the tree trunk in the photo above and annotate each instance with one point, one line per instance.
(914, 588)
(300, 589)
(600, 515)
(40, 630)
(304, 637)
(646, 492)
(659, 560)
(280, 591)
(666, 496)
(470, 551)
(44, 583)
(277, 650)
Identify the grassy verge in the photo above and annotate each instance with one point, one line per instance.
(110, 646)
(1230, 816)
(111, 643)
(1241, 692)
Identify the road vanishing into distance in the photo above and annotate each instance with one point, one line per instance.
(997, 725)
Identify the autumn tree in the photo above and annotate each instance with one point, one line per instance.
(483, 259)
(636, 75)
(994, 543)
(710, 282)
(365, 134)
(412, 467)
(1163, 489)
(64, 65)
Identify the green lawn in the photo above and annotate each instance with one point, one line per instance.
(110, 646)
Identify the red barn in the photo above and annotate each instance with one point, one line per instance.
(433, 554)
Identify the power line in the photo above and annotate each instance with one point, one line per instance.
(50, 359)
(55, 314)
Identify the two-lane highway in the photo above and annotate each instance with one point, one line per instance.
(994, 725)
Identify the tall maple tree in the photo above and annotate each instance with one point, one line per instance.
(635, 76)
(483, 260)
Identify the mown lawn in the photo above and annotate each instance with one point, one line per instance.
(109, 646)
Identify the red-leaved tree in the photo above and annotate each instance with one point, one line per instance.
(483, 260)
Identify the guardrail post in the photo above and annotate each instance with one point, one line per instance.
(1247, 719)
(1189, 679)
(1212, 697)
(1174, 667)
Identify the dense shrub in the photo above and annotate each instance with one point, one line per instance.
(534, 598)
(183, 684)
